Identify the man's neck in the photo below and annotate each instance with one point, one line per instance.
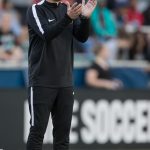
(52, 1)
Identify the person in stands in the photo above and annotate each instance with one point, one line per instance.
(99, 74)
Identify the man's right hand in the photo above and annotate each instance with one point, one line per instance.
(74, 11)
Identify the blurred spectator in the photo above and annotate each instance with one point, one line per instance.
(139, 48)
(88, 47)
(124, 44)
(118, 48)
(9, 50)
(111, 4)
(6, 6)
(98, 75)
(134, 17)
(142, 5)
(147, 16)
(21, 2)
(103, 21)
(121, 9)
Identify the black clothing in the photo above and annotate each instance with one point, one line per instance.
(102, 73)
(51, 34)
(147, 16)
(42, 101)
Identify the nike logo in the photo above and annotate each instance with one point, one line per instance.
(50, 20)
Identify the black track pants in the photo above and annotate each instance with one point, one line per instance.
(42, 102)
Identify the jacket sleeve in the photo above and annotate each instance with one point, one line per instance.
(46, 30)
(81, 29)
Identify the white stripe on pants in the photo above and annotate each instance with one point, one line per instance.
(32, 108)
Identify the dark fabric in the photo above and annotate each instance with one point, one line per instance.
(102, 73)
(147, 16)
(51, 52)
(58, 102)
(102, 20)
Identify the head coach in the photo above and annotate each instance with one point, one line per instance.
(52, 26)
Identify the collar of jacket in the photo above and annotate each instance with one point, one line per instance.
(56, 4)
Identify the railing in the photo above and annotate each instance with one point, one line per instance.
(81, 63)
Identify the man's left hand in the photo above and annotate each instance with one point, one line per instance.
(88, 8)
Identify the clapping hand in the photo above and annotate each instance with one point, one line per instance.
(88, 8)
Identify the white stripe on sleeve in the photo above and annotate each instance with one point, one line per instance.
(40, 3)
(37, 19)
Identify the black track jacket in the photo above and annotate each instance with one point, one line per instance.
(51, 34)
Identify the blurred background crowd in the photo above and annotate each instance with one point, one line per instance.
(116, 56)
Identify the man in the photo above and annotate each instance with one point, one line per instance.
(52, 26)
